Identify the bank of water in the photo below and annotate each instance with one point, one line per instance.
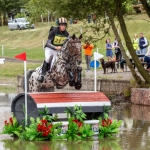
(134, 132)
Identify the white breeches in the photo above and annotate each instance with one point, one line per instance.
(48, 53)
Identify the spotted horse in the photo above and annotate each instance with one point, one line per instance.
(66, 69)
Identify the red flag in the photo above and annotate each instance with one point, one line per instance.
(21, 56)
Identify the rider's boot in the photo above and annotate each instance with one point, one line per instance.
(44, 69)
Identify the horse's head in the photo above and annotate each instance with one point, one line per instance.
(74, 49)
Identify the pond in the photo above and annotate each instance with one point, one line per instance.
(134, 132)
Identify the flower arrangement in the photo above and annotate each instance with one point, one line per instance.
(77, 130)
(44, 128)
(12, 127)
(41, 129)
(108, 127)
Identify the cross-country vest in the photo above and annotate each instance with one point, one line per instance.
(136, 44)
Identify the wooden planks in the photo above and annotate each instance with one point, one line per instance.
(60, 97)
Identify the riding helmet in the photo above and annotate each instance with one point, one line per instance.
(62, 20)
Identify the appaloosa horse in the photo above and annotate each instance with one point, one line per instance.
(66, 69)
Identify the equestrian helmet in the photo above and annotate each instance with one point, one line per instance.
(62, 20)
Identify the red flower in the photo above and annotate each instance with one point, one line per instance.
(5, 122)
(44, 121)
(78, 122)
(44, 128)
(11, 120)
(106, 122)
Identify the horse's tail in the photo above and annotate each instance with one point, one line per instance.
(28, 74)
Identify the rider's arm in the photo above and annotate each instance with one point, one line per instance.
(49, 41)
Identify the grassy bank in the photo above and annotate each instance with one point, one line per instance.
(31, 42)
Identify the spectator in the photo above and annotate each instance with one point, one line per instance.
(94, 18)
(89, 18)
(109, 48)
(147, 59)
(136, 44)
(88, 47)
(71, 21)
(123, 61)
(117, 51)
(143, 45)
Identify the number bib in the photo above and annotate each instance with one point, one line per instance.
(59, 40)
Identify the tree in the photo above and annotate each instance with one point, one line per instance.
(10, 6)
(115, 9)
(146, 7)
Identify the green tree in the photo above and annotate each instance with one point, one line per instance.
(116, 10)
(36, 8)
(146, 7)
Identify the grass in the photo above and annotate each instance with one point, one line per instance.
(31, 42)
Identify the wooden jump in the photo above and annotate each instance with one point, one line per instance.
(57, 102)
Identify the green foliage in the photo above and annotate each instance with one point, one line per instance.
(73, 131)
(46, 115)
(77, 113)
(107, 127)
(78, 130)
(85, 131)
(12, 127)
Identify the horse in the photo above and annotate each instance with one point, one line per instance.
(66, 69)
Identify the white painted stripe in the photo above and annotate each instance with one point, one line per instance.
(72, 104)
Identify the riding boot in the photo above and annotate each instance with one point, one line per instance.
(44, 69)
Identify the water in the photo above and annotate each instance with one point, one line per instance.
(134, 132)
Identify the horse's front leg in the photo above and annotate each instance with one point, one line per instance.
(71, 75)
(78, 84)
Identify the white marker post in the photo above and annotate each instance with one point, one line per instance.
(22, 56)
(96, 56)
(25, 79)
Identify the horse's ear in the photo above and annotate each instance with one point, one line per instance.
(73, 37)
(80, 37)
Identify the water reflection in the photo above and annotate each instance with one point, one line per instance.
(61, 145)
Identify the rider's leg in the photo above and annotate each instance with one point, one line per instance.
(44, 69)
(48, 53)
(52, 60)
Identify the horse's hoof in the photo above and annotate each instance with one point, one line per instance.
(71, 83)
(78, 85)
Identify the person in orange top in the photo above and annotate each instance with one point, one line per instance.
(88, 47)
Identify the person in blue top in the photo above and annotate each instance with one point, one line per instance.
(143, 45)
(109, 53)
(56, 38)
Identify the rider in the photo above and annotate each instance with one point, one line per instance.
(54, 43)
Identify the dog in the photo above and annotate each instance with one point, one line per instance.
(108, 64)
